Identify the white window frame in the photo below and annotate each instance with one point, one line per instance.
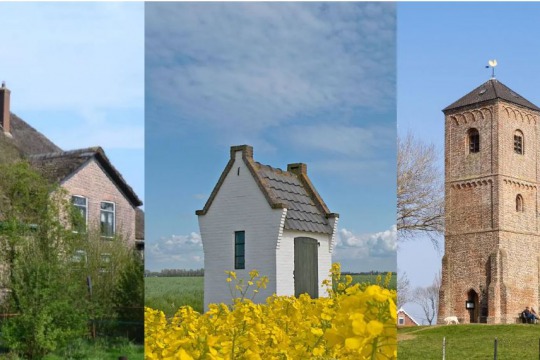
(80, 256)
(85, 211)
(401, 320)
(105, 260)
(101, 211)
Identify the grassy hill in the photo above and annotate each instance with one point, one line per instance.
(474, 341)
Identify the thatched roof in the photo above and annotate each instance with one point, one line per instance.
(28, 140)
(58, 166)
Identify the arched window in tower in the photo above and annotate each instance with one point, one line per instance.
(519, 146)
(519, 203)
(474, 141)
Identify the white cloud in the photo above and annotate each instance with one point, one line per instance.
(175, 251)
(251, 66)
(353, 246)
(356, 250)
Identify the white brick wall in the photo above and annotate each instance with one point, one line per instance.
(239, 205)
(285, 261)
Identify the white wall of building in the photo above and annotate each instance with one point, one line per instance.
(239, 206)
(285, 261)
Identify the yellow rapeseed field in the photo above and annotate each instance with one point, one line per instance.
(356, 322)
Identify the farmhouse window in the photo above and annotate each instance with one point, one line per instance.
(401, 321)
(107, 219)
(81, 204)
(80, 257)
(105, 263)
(518, 142)
(474, 141)
(239, 249)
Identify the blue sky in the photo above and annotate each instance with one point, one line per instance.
(76, 74)
(300, 82)
(443, 49)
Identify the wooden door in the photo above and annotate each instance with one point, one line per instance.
(306, 265)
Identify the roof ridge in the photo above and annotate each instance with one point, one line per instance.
(409, 315)
(274, 169)
(492, 82)
(93, 149)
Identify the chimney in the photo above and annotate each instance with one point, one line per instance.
(245, 149)
(298, 168)
(4, 108)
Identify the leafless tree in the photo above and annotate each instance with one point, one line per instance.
(403, 289)
(420, 190)
(428, 298)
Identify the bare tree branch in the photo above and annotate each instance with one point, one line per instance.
(428, 298)
(420, 193)
(403, 290)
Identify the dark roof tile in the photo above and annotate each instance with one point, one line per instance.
(305, 209)
(491, 90)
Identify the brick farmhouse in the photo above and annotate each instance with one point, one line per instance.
(96, 188)
(404, 319)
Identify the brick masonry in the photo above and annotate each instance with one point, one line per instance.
(491, 249)
(92, 182)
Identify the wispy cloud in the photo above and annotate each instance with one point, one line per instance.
(248, 67)
(77, 68)
(344, 140)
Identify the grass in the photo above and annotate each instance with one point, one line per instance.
(372, 279)
(100, 349)
(169, 293)
(472, 341)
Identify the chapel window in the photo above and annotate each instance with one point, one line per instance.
(518, 142)
(474, 141)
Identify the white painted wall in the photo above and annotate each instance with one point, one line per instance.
(239, 205)
(285, 261)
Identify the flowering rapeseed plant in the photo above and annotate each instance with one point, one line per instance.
(240, 288)
(356, 322)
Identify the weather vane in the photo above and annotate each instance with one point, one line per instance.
(492, 64)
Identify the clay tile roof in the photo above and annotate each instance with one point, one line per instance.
(491, 90)
(292, 189)
(58, 166)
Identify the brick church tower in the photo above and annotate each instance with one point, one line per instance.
(491, 265)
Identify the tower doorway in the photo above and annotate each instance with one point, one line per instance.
(472, 298)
